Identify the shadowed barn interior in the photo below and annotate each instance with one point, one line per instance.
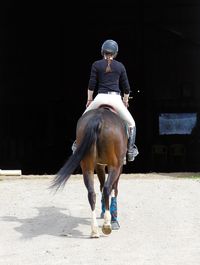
(45, 64)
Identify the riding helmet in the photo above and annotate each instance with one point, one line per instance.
(109, 46)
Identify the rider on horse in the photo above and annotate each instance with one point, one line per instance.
(110, 78)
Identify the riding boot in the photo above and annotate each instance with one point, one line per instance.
(74, 146)
(132, 148)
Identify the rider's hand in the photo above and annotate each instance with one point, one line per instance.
(126, 103)
(88, 103)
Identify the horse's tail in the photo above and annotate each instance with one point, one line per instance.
(90, 135)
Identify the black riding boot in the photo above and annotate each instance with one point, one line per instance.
(132, 148)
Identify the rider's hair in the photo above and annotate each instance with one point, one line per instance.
(108, 67)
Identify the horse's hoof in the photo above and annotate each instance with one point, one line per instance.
(94, 235)
(95, 232)
(115, 225)
(106, 229)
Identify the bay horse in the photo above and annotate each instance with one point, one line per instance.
(101, 138)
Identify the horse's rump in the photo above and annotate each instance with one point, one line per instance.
(110, 141)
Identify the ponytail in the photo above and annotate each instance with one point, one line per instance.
(108, 68)
(109, 59)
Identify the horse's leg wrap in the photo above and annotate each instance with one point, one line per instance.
(102, 206)
(113, 209)
(113, 212)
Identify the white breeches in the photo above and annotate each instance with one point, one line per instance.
(116, 102)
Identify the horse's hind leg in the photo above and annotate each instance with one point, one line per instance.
(112, 177)
(113, 207)
(89, 183)
(100, 170)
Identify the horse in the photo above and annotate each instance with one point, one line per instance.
(101, 138)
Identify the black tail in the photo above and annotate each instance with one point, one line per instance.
(91, 132)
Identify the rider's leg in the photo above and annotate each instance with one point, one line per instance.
(126, 115)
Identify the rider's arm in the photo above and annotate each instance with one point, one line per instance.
(124, 83)
(90, 95)
(126, 97)
(125, 100)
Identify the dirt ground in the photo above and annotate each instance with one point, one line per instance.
(159, 217)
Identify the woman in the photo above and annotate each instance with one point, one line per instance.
(110, 79)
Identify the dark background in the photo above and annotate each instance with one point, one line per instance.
(46, 52)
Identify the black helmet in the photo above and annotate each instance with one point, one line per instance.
(109, 46)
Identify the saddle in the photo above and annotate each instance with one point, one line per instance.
(109, 107)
